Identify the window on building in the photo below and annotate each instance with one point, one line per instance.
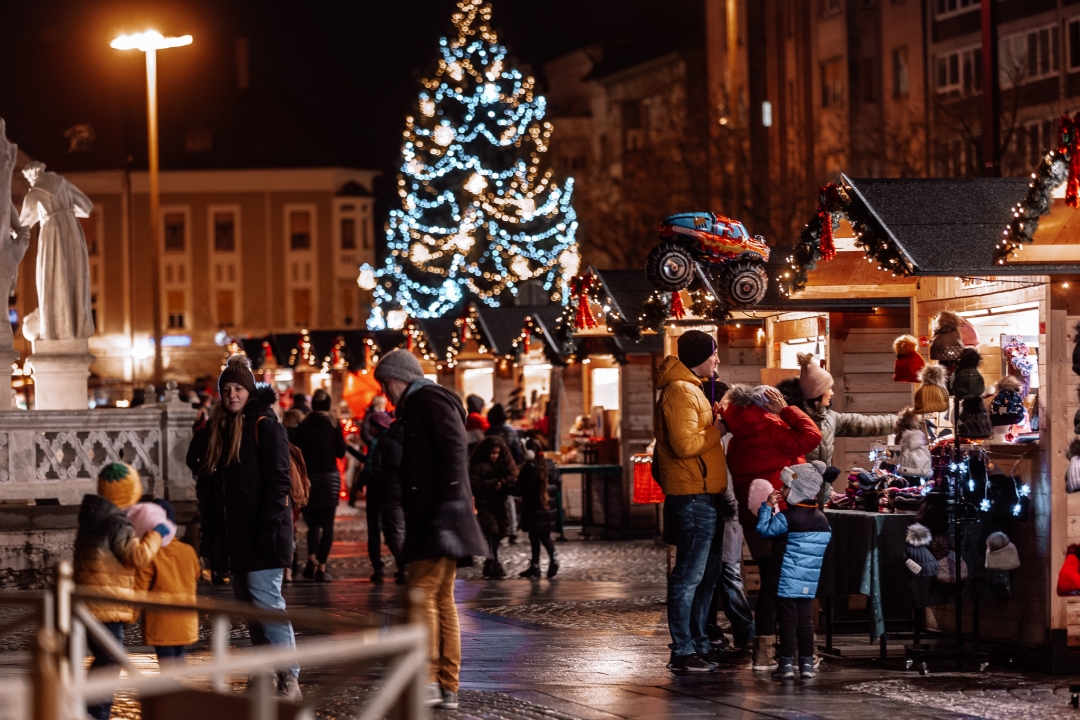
(301, 301)
(832, 84)
(954, 7)
(1030, 55)
(175, 232)
(90, 231)
(1074, 44)
(348, 233)
(300, 230)
(224, 232)
(176, 308)
(901, 73)
(226, 308)
(959, 71)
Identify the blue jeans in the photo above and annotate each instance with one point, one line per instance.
(170, 652)
(731, 598)
(262, 588)
(101, 711)
(692, 520)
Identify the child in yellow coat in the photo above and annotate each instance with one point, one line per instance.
(173, 576)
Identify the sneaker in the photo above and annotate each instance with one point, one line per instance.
(377, 577)
(785, 669)
(289, 687)
(553, 566)
(717, 656)
(690, 663)
(309, 570)
(321, 576)
(449, 700)
(532, 572)
(434, 696)
(806, 668)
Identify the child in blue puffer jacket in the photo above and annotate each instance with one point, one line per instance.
(800, 535)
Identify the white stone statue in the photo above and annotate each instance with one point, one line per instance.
(63, 265)
(14, 239)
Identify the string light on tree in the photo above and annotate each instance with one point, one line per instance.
(479, 212)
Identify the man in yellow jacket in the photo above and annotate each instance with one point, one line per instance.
(693, 472)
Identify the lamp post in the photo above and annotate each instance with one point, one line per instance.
(150, 42)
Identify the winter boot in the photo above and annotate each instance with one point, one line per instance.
(553, 565)
(785, 669)
(532, 572)
(763, 653)
(806, 668)
(487, 569)
(497, 570)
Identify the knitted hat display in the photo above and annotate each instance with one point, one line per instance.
(803, 480)
(695, 347)
(974, 420)
(1076, 349)
(1072, 474)
(237, 370)
(967, 381)
(1007, 407)
(760, 490)
(1068, 582)
(908, 361)
(947, 343)
(920, 560)
(913, 459)
(968, 335)
(399, 365)
(119, 483)
(947, 568)
(1001, 554)
(932, 396)
(813, 380)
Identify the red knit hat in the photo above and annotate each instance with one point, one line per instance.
(1068, 582)
(908, 361)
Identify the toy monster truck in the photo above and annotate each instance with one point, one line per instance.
(730, 260)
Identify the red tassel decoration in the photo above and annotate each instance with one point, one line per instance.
(525, 341)
(678, 310)
(584, 319)
(827, 246)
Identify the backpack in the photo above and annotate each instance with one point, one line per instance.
(298, 477)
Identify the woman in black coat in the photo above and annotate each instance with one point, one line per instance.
(322, 443)
(247, 461)
(492, 473)
(538, 486)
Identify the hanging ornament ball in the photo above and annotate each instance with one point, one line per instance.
(366, 281)
(444, 135)
(526, 207)
(521, 268)
(427, 107)
(476, 184)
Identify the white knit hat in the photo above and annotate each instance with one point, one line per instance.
(813, 380)
(1001, 554)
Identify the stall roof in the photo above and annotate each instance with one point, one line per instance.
(627, 289)
(776, 300)
(503, 325)
(949, 226)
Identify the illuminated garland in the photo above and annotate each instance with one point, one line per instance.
(655, 312)
(522, 344)
(371, 355)
(834, 204)
(467, 328)
(705, 305)
(304, 352)
(1056, 168)
(478, 213)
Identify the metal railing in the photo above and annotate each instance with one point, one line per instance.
(58, 688)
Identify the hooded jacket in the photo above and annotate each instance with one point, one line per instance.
(249, 499)
(843, 424)
(491, 485)
(762, 443)
(434, 473)
(173, 576)
(800, 534)
(108, 553)
(688, 446)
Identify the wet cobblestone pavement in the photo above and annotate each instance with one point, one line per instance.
(591, 644)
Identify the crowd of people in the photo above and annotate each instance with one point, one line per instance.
(747, 462)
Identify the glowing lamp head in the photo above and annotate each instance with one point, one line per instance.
(366, 281)
(148, 40)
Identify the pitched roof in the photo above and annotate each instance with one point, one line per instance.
(503, 325)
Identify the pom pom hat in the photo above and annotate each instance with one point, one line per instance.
(813, 380)
(119, 483)
(967, 381)
(237, 370)
(932, 396)
(804, 480)
(1001, 554)
(947, 343)
(908, 361)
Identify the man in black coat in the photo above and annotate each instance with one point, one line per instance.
(440, 527)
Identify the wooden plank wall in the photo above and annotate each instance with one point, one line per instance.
(636, 400)
(861, 360)
(742, 354)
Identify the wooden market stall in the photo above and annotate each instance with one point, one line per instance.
(933, 241)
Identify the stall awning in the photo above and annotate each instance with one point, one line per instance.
(502, 326)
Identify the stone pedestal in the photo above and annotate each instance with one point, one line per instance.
(60, 369)
(7, 357)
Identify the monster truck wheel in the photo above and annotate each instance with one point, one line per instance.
(669, 267)
(743, 284)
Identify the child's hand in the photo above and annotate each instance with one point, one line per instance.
(774, 498)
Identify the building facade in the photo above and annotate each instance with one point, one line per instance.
(241, 252)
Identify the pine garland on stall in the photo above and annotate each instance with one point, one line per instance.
(655, 312)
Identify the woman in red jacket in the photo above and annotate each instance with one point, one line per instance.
(767, 435)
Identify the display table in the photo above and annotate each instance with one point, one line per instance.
(866, 556)
(602, 495)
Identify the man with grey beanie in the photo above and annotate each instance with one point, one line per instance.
(440, 527)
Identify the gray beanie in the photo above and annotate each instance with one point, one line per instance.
(399, 365)
(804, 480)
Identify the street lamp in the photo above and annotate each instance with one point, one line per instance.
(150, 42)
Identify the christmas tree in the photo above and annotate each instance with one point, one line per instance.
(479, 213)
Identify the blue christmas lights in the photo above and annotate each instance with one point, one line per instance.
(478, 214)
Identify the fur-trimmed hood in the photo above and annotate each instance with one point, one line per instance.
(947, 322)
(265, 394)
(746, 396)
(932, 375)
(918, 535)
